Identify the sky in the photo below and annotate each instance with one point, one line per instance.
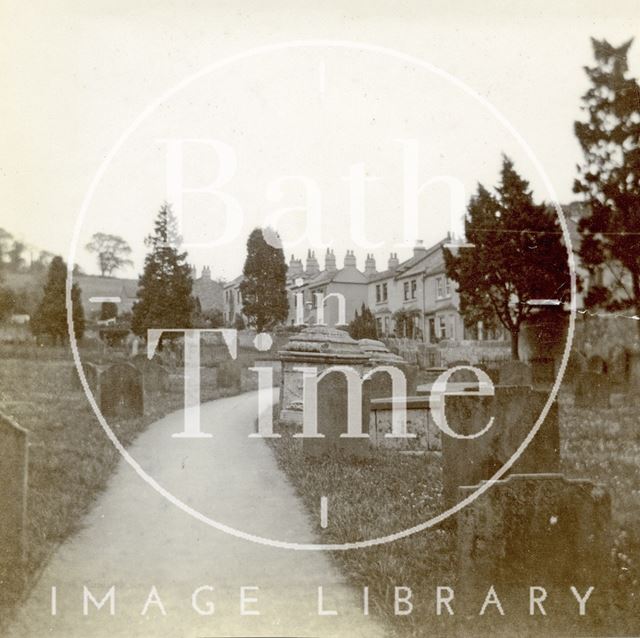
(291, 134)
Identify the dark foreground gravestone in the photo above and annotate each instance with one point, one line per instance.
(618, 366)
(13, 508)
(592, 390)
(121, 391)
(515, 410)
(91, 372)
(535, 529)
(515, 373)
(332, 420)
(155, 376)
(230, 375)
(597, 364)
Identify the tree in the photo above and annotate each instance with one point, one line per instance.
(108, 310)
(50, 317)
(263, 290)
(112, 252)
(16, 260)
(363, 325)
(609, 178)
(405, 322)
(164, 289)
(516, 256)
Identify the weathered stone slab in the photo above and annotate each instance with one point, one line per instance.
(13, 507)
(540, 529)
(230, 375)
(592, 390)
(155, 376)
(618, 366)
(597, 364)
(121, 391)
(515, 373)
(515, 410)
(419, 422)
(543, 370)
(333, 420)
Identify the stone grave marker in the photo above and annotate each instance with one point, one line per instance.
(121, 391)
(13, 507)
(592, 390)
(634, 370)
(515, 410)
(332, 420)
(541, 529)
(515, 373)
(618, 366)
(230, 375)
(155, 376)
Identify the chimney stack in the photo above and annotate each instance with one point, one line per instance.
(206, 273)
(295, 268)
(330, 261)
(370, 265)
(419, 249)
(393, 261)
(350, 259)
(313, 268)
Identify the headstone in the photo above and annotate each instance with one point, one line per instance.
(597, 364)
(155, 377)
(515, 410)
(230, 375)
(592, 390)
(543, 370)
(121, 391)
(618, 366)
(91, 373)
(333, 420)
(13, 508)
(541, 529)
(515, 373)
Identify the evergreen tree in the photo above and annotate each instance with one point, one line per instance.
(50, 317)
(363, 325)
(609, 178)
(264, 293)
(164, 289)
(517, 256)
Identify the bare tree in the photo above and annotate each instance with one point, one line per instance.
(112, 252)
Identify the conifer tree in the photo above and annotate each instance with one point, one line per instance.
(50, 317)
(609, 179)
(164, 289)
(264, 293)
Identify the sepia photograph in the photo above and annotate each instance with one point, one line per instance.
(320, 320)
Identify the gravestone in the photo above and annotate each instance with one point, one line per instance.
(121, 391)
(592, 390)
(515, 410)
(91, 372)
(230, 375)
(332, 420)
(541, 529)
(597, 364)
(155, 377)
(13, 508)
(543, 370)
(618, 366)
(515, 373)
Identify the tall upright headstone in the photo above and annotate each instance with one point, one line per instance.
(13, 507)
(515, 410)
(121, 391)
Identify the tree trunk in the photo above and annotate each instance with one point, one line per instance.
(514, 345)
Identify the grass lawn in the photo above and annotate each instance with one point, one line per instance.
(393, 492)
(70, 457)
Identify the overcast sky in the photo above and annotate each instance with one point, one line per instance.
(78, 74)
